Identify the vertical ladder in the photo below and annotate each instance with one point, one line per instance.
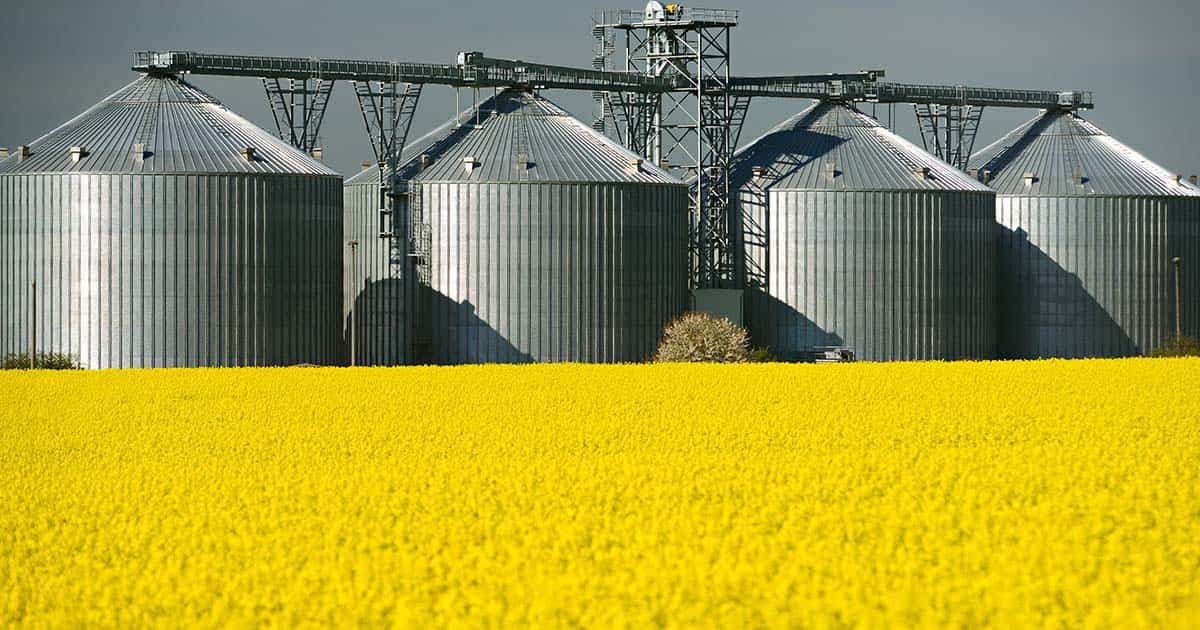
(601, 56)
(420, 234)
(1070, 140)
(741, 107)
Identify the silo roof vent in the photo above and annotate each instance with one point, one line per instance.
(634, 166)
(189, 131)
(140, 152)
(78, 153)
(923, 173)
(555, 147)
(22, 152)
(981, 175)
(1056, 145)
(250, 154)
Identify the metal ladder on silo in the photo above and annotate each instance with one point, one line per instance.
(521, 137)
(604, 49)
(420, 247)
(1071, 152)
(420, 234)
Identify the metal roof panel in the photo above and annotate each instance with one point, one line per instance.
(1059, 154)
(556, 146)
(831, 146)
(183, 130)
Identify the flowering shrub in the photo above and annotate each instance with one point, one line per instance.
(702, 338)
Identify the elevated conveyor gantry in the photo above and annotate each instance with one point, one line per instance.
(674, 100)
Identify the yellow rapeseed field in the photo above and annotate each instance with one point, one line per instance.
(1047, 494)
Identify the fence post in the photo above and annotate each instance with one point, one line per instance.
(353, 299)
(1178, 301)
(33, 326)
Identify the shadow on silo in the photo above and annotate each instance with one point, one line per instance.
(1018, 148)
(772, 323)
(459, 336)
(381, 324)
(782, 154)
(785, 331)
(1046, 311)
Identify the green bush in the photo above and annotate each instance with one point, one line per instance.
(1178, 347)
(45, 361)
(762, 355)
(702, 338)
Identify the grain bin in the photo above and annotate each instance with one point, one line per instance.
(390, 302)
(549, 242)
(1088, 228)
(851, 237)
(163, 230)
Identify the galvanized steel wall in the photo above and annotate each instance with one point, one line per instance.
(1092, 276)
(587, 272)
(384, 299)
(173, 270)
(895, 275)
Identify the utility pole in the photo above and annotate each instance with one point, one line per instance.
(33, 326)
(1178, 301)
(353, 299)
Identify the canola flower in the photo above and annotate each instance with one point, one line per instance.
(1041, 494)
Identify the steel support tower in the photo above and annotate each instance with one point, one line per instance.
(298, 107)
(690, 129)
(948, 131)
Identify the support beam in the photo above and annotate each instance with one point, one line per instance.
(388, 108)
(949, 131)
(298, 107)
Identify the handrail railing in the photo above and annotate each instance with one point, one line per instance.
(619, 18)
(474, 69)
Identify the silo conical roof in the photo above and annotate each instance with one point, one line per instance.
(436, 142)
(180, 127)
(1060, 154)
(555, 147)
(831, 146)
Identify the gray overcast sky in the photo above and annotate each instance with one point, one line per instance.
(1142, 59)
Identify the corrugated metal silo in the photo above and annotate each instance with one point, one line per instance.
(852, 237)
(383, 286)
(549, 242)
(163, 230)
(388, 299)
(1088, 229)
